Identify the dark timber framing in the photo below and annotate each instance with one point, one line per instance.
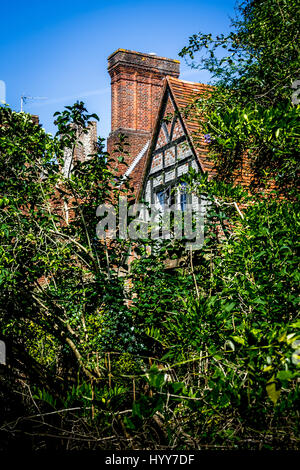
(152, 174)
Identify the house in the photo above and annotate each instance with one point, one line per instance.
(148, 104)
(148, 107)
(172, 148)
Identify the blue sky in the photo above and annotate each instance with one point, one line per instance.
(59, 49)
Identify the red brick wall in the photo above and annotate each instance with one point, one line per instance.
(136, 141)
(88, 143)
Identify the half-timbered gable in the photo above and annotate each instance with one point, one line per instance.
(171, 152)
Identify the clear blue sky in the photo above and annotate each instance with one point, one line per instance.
(59, 49)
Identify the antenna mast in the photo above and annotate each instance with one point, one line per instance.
(25, 98)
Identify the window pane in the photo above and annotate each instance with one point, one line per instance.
(183, 195)
(183, 201)
(161, 198)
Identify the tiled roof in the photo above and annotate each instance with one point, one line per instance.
(185, 93)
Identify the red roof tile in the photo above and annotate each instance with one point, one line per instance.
(185, 94)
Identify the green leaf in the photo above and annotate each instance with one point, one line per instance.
(238, 339)
(272, 392)
(285, 375)
(129, 423)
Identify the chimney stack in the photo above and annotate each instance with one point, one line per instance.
(86, 145)
(136, 85)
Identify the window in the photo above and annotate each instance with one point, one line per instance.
(166, 198)
(160, 196)
(183, 196)
(172, 195)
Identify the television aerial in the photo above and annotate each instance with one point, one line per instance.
(24, 99)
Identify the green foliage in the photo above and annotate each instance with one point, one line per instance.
(58, 286)
(251, 110)
(202, 355)
(231, 350)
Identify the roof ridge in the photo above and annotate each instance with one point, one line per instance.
(136, 159)
(170, 78)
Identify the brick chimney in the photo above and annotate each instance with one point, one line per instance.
(86, 145)
(136, 85)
